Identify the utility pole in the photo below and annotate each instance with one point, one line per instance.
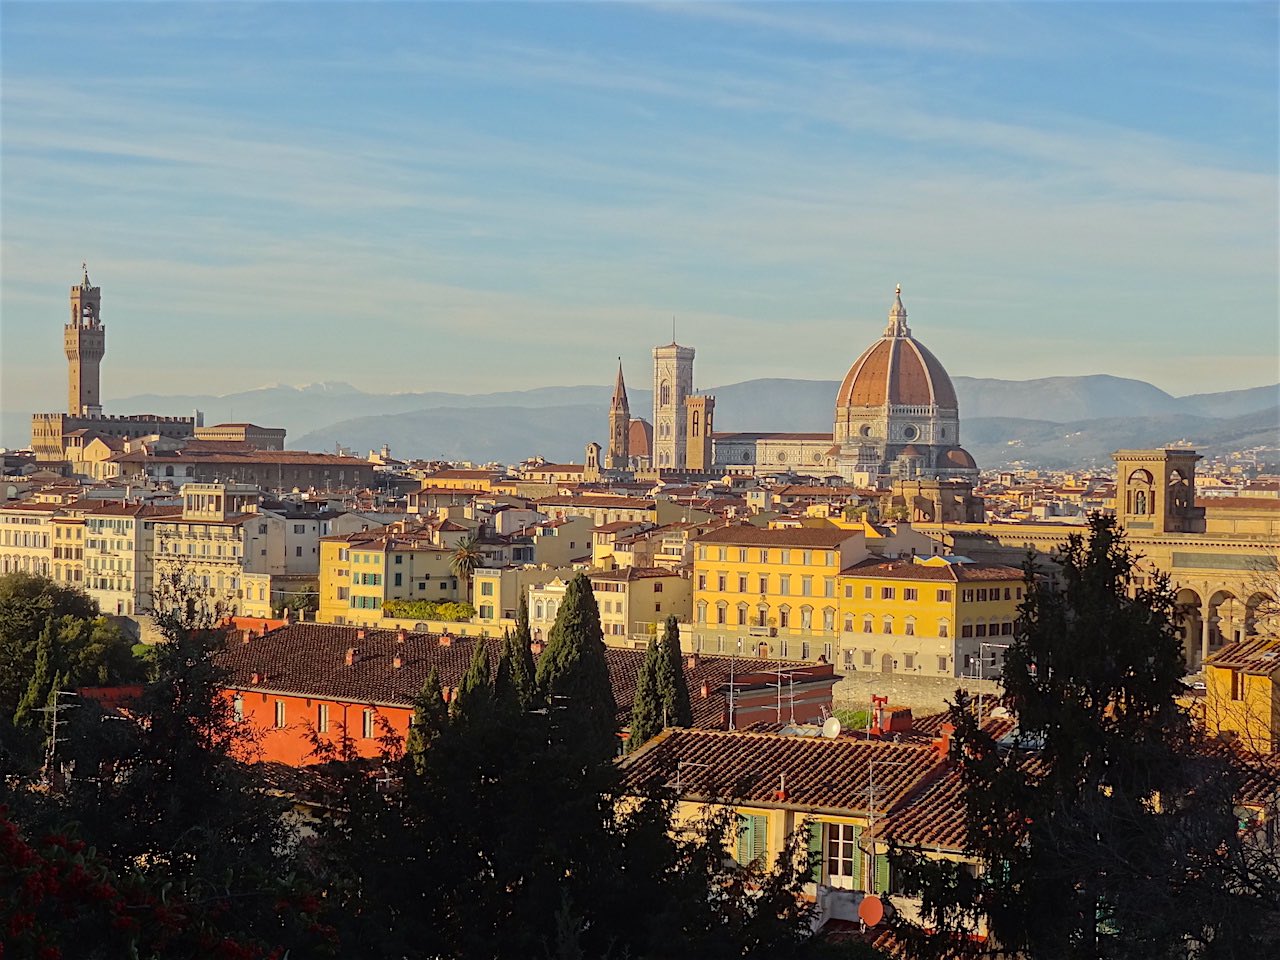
(54, 710)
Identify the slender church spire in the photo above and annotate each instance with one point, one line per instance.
(618, 456)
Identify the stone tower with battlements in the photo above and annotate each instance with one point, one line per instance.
(84, 340)
(672, 384)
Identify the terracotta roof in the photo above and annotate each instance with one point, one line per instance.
(603, 501)
(952, 572)
(821, 437)
(122, 509)
(1240, 503)
(627, 574)
(752, 536)
(194, 454)
(1256, 655)
(309, 659)
(821, 775)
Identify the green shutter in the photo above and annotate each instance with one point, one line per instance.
(744, 840)
(815, 851)
(857, 860)
(760, 843)
(882, 874)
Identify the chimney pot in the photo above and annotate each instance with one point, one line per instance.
(693, 661)
(360, 634)
(401, 635)
(446, 640)
(396, 662)
(536, 647)
(706, 689)
(351, 656)
(255, 678)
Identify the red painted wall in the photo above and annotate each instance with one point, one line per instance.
(291, 743)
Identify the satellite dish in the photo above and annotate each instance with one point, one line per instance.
(831, 728)
(871, 910)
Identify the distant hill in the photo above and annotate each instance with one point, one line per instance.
(1061, 422)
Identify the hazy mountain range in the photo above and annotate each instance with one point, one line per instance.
(1059, 422)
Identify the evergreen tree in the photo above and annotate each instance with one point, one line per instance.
(41, 684)
(647, 710)
(523, 670)
(475, 695)
(430, 716)
(1109, 831)
(574, 673)
(504, 685)
(673, 691)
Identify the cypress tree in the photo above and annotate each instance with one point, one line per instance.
(430, 716)
(673, 692)
(646, 712)
(504, 685)
(41, 684)
(475, 695)
(574, 673)
(1109, 830)
(523, 669)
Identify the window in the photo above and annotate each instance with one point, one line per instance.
(848, 591)
(804, 650)
(399, 576)
(826, 651)
(848, 624)
(966, 596)
(982, 595)
(237, 706)
(867, 624)
(828, 586)
(887, 625)
(1237, 685)
(806, 586)
(944, 596)
(909, 593)
(806, 618)
(722, 582)
(297, 551)
(784, 616)
(944, 628)
(486, 587)
(764, 584)
(886, 593)
(753, 839)
(322, 718)
(866, 593)
(280, 717)
(1006, 628)
(866, 658)
(702, 611)
(742, 555)
(742, 583)
(942, 664)
(721, 609)
(366, 724)
(1017, 592)
(980, 630)
(808, 558)
(784, 584)
(829, 619)
(1006, 593)
(299, 528)
(848, 659)
(786, 557)
(910, 627)
(743, 614)
(966, 630)
(702, 581)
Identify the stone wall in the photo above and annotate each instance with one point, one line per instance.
(921, 694)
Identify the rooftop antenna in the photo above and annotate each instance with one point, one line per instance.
(673, 328)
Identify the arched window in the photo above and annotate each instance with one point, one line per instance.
(829, 619)
(551, 609)
(696, 423)
(168, 471)
(538, 610)
(664, 393)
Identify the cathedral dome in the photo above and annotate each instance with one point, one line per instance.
(959, 458)
(897, 370)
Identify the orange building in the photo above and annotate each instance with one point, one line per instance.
(308, 681)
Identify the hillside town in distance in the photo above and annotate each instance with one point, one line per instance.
(807, 633)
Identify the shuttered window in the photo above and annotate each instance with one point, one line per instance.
(843, 856)
(753, 840)
(881, 875)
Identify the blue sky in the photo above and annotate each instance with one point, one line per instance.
(488, 196)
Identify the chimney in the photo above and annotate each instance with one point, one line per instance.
(877, 714)
(446, 640)
(255, 678)
(536, 647)
(693, 661)
(246, 636)
(401, 635)
(351, 656)
(396, 662)
(288, 614)
(360, 634)
(943, 743)
(706, 690)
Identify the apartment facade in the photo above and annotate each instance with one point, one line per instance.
(360, 572)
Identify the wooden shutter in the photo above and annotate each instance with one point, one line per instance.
(816, 852)
(760, 842)
(744, 840)
(857, 860)
(882, 874)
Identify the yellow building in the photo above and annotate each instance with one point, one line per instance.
(68, 548)
(1242, 695)
(360, 572)
(927, 616)
(26, 537)
(771, 592)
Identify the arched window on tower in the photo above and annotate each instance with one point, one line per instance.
(664, 393)
(696, 423)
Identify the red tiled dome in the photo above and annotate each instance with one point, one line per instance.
(960, 458)
(897, 369)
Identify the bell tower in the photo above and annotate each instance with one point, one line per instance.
(84, 341)
(1156, 491)
(700, 415)
(619, 455)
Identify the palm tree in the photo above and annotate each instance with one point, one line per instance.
(466, 557)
